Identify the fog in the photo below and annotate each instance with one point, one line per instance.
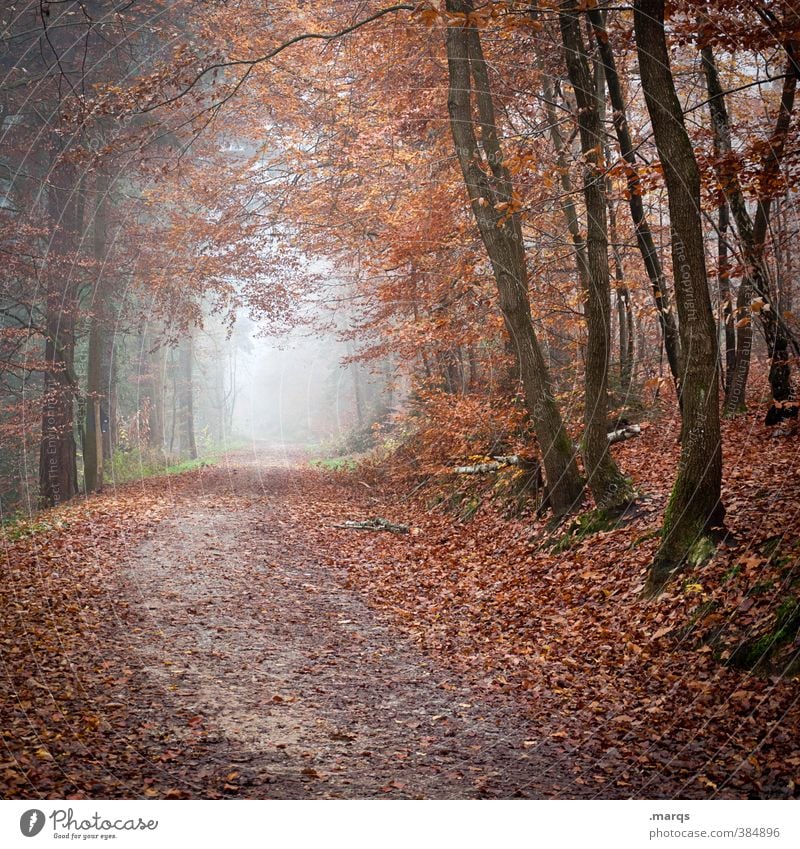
(295, 389)
(298, 388)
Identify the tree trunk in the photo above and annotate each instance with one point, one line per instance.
(644, 235)
(109, 383)
(474, 368)
(756, 279)
(725, 298)
(158, 363)
(624, 309)
(93, 444)
(58, 472)
(488, 183)
(568, 206)
(787, 290)
(694, 514)
(173, 429)
(58, 468)
(93, 447)
(357, 393)
(186, 435)
(624, 302)
(609, 486)
(230, 394)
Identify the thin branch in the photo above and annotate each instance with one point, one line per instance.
(251, 63)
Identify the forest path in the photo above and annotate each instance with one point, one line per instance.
(256, 654)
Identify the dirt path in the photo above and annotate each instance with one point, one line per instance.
(257, 655)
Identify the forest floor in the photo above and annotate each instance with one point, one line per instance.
(214, 635)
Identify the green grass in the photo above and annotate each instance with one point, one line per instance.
(334, 464)
(21, 527)
(134, 466)
(190, 465)
(124, 467)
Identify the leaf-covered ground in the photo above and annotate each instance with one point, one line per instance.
(214, 635)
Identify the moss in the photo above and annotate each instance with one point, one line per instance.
(469, 509)
(770, 546)
(460, 504)
(787, 617)
(761, 587)
(621, 494)
(563, 444)
(434, 502)
(454, 501)
(188, 466)
(584, 526)
(653, 534)
(760, 651)
(125, 467)
(518, 489)
(693, 545)
(701, 551)
(731, 573)
(737, 411)
(666, 564)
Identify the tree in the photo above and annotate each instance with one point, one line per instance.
(695, 514)
(58, 470)
(494, 206)
(752, 236)
(608, 484)
(644, 234)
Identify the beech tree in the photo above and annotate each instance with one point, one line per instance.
(694, 516)
(752, 234)
(491, 194)
(644, 234)
(609, 486)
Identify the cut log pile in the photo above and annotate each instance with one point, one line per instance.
(501, 461)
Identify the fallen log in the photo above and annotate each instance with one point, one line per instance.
(492, 465)
(624, 433)
(374, 524)
(500, 461)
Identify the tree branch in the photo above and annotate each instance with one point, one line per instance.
(249, 64)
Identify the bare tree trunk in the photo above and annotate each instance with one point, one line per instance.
(624, 303)
(358, 394)
(609, 486)
(491, 193)
(624, 308)
(231, 391)
(787, 291)
(474, 368)
(93, 447)
(694, 514)
(644, 235)
(725, 298)
(58, 468)
(566, 200)
(568, 206)
(157, 412)
(186, 398)
(58, 473)
(93, 444)
(173, 430)
(756, 279)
